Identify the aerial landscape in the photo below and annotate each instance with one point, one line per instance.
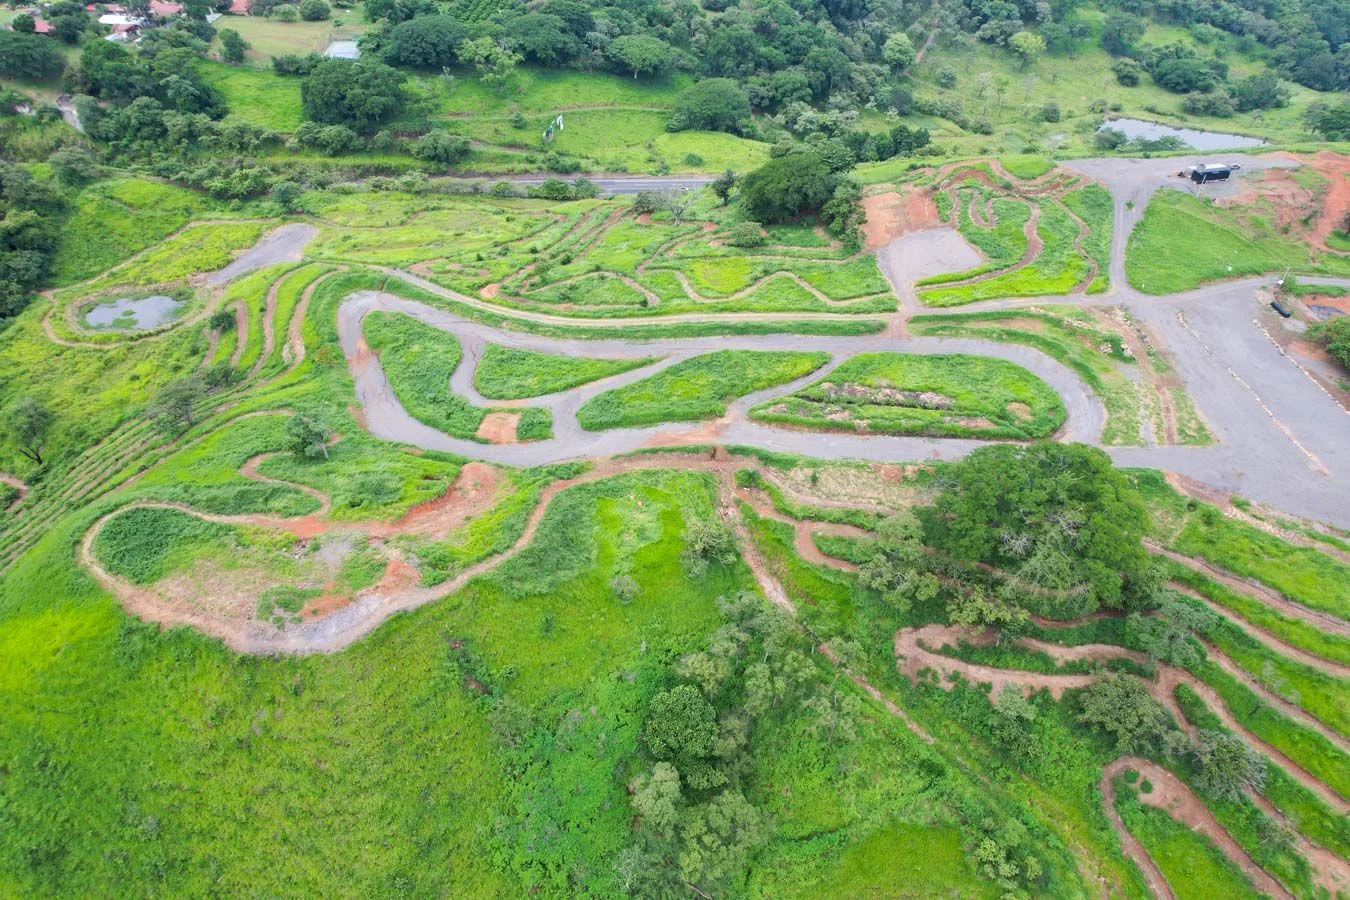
(690, 449)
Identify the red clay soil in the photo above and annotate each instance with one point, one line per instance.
(1178, 801)
(474, 492)
(1336, 203)
(499, 428)
(893, 214)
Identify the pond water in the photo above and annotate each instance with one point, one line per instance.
(1199, 140)
(133, 313)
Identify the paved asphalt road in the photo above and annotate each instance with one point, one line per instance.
(1280, 439)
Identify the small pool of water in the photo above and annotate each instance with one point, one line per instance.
(133, 313)
(1199, 140)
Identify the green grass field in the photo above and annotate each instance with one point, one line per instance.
(698, 388)
(507, 373)
(114, 219)
(256, 95)
(1183, 242)
(939, 395)
(271, 37)
(1056, 269)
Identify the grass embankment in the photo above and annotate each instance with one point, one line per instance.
(1195, 528)
(1194, 868)
(418, 360)
(1026, 165)
(112, 220)
(1003, 243)
(697, 388)
(1068, 335)
(1295, 632)
(508, 373)
(1184, 241)
(1092, 204)
(526, 687)
(944, 395)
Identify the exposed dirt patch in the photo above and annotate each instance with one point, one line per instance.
(885, 396)
(1341, 304)
(1289, 199)
(489, 291)
(1019, 409)
(473, 492)
(499, 428)
(1336, 203)
(893, 214)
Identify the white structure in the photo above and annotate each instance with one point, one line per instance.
(343, 50)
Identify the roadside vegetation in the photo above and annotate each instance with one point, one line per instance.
(418, 360)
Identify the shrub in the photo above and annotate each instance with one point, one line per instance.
(1050, 112)
(1334, 334)
(285, 13)
(441, 146)
(1128, 72)
(315, 10)
(1218, 104)
(745, 234)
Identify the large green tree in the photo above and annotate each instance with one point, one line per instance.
(787, 187)
(1059, 515)
(713, 104)
(427, 42)
(360, 94)
(29, 56)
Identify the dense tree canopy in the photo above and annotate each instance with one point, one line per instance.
(1060, 515)
(28, 56)
(786, 187)
(714, 104)
(357, 93)
(429, 42)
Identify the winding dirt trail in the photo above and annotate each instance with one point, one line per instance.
(1284, 648)
(1172, 796)
(915, 651)
(1256, 591)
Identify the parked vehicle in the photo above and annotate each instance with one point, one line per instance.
(1207, 172)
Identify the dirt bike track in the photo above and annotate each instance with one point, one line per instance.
(1259, 404)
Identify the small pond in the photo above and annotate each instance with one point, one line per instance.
(1136, 129)
(133, 313)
